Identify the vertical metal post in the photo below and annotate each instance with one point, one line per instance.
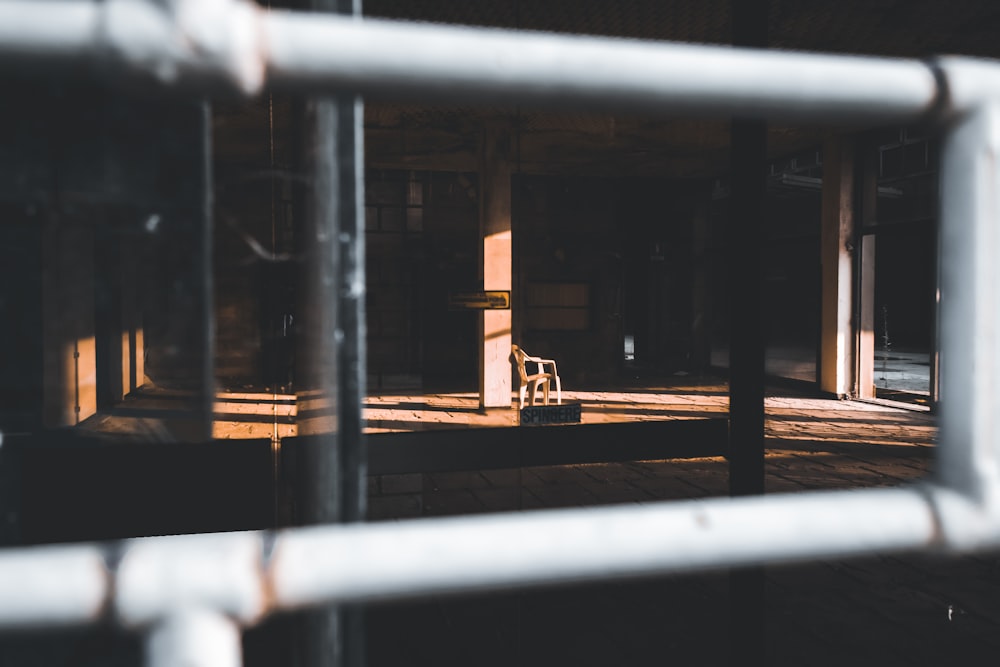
(352, 354)
(969, 242)
(331, 368)
(745, 249)
(746, 366)
(194, 638)
(206, 286)
(746, 371)
(320, 473)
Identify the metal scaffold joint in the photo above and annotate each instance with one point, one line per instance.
(214, 40)
(181, 44)
(222, 572)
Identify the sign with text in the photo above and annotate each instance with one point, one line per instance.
(539, 415)
(479, 300)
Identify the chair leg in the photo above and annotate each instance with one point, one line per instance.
(545, 392)
(524, 388)
(558, 390)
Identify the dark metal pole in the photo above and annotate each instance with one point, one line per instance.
(331, 354)
(352, 353)
(746, 364)
(206, 285)
(351, 357)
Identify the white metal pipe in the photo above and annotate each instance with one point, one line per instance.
(52, 586)
(407, 559)
(187, 49)
(218, 571)
(393, 59)
(969, 454)
(194, 638)
(64, 29)
(365, 562)
(184, 46)
(969, 271)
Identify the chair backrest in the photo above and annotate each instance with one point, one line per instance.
(519, 360)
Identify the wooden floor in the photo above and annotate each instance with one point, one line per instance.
(887, 610)
(256, 414)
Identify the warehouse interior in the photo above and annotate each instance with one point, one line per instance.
(618, 225)
(153, 269)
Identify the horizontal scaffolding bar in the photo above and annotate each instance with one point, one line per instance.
(426, 557)
(397, 59)
(55, 29)
(42, 586)
(247, 575)
(387, 59)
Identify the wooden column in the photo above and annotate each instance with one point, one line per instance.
(495, 265)
(836, 367)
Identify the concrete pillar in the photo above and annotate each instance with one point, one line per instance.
(836, 366)
(69, 357)
(866, 212)
(866, 330)
(495, 265)
(133, 336)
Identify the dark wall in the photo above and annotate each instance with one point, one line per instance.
(630, 243)
(79, 160)
(422, 235)
(905, 285)
(451, 251)
(74, 489)
(20, 318)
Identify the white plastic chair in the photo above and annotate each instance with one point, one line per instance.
(530, 383)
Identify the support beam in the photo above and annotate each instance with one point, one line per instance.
(330, 349)
(866, 330)
(836, 367)
(133, 334)
(68, 326)
(495, 264)
(867, 180)
(747, 629)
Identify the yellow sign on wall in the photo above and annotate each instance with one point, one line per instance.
(479, 300)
